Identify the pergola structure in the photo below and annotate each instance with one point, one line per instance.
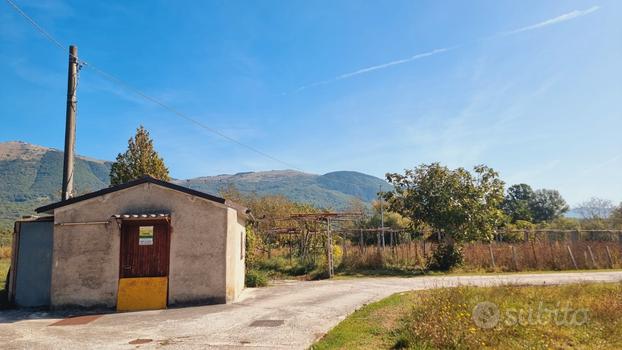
(328, 219)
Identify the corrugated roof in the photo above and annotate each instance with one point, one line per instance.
(140, 216)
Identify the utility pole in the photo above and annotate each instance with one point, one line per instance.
(70, 123)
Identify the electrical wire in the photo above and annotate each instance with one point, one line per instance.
(138, 92)
(37, 26)
(147, 97)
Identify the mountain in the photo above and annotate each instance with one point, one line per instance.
(334, 190)
(31, 176)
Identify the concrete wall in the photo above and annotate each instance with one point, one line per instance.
(235, 259)
(86, 257)
(85, 260)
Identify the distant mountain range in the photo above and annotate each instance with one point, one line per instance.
(31, 176)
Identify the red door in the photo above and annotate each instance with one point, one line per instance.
(144, 248)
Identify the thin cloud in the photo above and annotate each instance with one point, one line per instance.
(559, 19)
(394, 63)
(563, 18)
(377, 67)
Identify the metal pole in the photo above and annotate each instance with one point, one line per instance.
(329, 249)
(70, 123)
(381, 214)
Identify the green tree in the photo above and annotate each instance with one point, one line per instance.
(516, 204)
(455, 203)
(139, 160)
(616, 216)
(547, 205)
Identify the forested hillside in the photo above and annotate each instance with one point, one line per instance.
(31, 176)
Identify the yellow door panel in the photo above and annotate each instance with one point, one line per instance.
(142, 293)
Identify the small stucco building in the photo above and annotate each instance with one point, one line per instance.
(146, 244)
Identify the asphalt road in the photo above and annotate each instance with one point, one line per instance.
(288, 315)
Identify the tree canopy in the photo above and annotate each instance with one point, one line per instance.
(521, 203)
(547, 205)
(140, 159)
(454, 202)
(517, 203)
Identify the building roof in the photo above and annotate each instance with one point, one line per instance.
(146, 179)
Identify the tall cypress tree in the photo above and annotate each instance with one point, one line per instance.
(139, 160)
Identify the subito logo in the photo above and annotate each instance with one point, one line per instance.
(486, 315)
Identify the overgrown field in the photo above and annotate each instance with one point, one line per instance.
(5, 261)
(412, 258)
(587, 316)
(519, 256)
(4, 268)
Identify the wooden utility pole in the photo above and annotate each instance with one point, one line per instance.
(70, 123)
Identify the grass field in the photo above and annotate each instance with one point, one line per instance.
(5, 261)
(4, 268)
(587, 316)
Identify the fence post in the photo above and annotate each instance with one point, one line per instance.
(416, 252)
(329, 249)
(514, 260)
(574, 262)
(492, 255)
(574, 236)
(290, 247)
(535, 256)
(609, 257)
(344, 248)
(361, 239)
(592, 256)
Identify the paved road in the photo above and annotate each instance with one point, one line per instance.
(289, 315)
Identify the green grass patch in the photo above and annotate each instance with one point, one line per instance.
(4, 268)
(256, 278)
(530, 317)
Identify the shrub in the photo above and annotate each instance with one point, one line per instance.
(402, 342)
(256, 278)
(446, 257)
(253, 244)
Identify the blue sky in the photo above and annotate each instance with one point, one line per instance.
(530, 88)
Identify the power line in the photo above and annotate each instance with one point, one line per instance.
(184, 116)
(147, 97)
(38, 27)
(154, 100)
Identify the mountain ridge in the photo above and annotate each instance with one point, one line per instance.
(31, 176)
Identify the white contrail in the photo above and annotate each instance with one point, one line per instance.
(565, 17)
(377, 67)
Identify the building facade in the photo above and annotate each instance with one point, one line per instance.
(142, 245)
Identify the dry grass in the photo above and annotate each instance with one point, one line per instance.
(4, 268)
(527, 256)
(543, 255)
(442, 319)
(5, 262)
(5, 252)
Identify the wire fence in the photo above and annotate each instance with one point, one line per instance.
(519, 250)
